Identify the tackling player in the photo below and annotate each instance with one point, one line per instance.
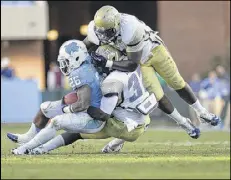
(142, 46)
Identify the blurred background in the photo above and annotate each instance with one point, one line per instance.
(197, 33)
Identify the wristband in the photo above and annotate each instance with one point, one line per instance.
(67, 109)
(109, 64)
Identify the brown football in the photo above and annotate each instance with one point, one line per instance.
(70, 98)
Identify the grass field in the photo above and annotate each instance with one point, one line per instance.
(157, 154)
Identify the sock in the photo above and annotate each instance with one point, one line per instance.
(177, 117)
(198, 107)
(116, 142)
(54, 143)
(30, 134)
(42, 137)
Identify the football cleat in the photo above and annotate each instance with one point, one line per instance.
(17, 151)
(38, 151)
(109, 149)
(192, 130)
(13, 137)
(195, 133)
(19, 138)
(210, 118)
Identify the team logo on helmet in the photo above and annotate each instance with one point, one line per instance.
(72, 47)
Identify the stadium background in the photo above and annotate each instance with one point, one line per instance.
(197, 35)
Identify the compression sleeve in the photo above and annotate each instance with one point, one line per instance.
(103, 113)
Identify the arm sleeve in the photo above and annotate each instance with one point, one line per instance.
(84, 99)
(124, 66)
(104, 112)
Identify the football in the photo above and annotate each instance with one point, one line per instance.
(70, 98)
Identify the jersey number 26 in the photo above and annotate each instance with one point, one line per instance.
(74, 82)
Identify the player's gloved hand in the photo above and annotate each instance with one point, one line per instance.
(98, 60)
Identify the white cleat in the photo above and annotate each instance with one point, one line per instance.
(209, 118)
(109, 149)
(17, 151)
(38, 151)
(113, 146)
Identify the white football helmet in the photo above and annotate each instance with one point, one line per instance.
(72, 54)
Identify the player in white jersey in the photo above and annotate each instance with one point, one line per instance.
(142, 46)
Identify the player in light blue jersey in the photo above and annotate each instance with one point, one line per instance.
(87, 75)
(74, 62)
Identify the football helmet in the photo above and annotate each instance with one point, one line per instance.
(72, 54)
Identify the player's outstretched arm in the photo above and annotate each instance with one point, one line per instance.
(124, 66)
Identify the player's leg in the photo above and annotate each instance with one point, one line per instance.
(113, 127)
(116, 144)
(79, 122)
(47, 110)
(66, 139)
(164, 64)
(152, 84)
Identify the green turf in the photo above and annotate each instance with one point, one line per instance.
(157, 154)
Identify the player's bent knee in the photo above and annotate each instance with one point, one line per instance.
(44, 106)
(54, 123)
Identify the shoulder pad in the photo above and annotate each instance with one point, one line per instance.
(91, 33)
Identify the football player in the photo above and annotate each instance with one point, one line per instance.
(74, 62)
(126, 99)
(143, 46)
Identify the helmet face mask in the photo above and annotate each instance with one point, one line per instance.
(105, 34)
(64, 65)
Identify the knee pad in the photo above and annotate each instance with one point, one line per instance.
(54, 123)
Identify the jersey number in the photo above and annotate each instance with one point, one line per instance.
(134, 88)
(74, 82)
